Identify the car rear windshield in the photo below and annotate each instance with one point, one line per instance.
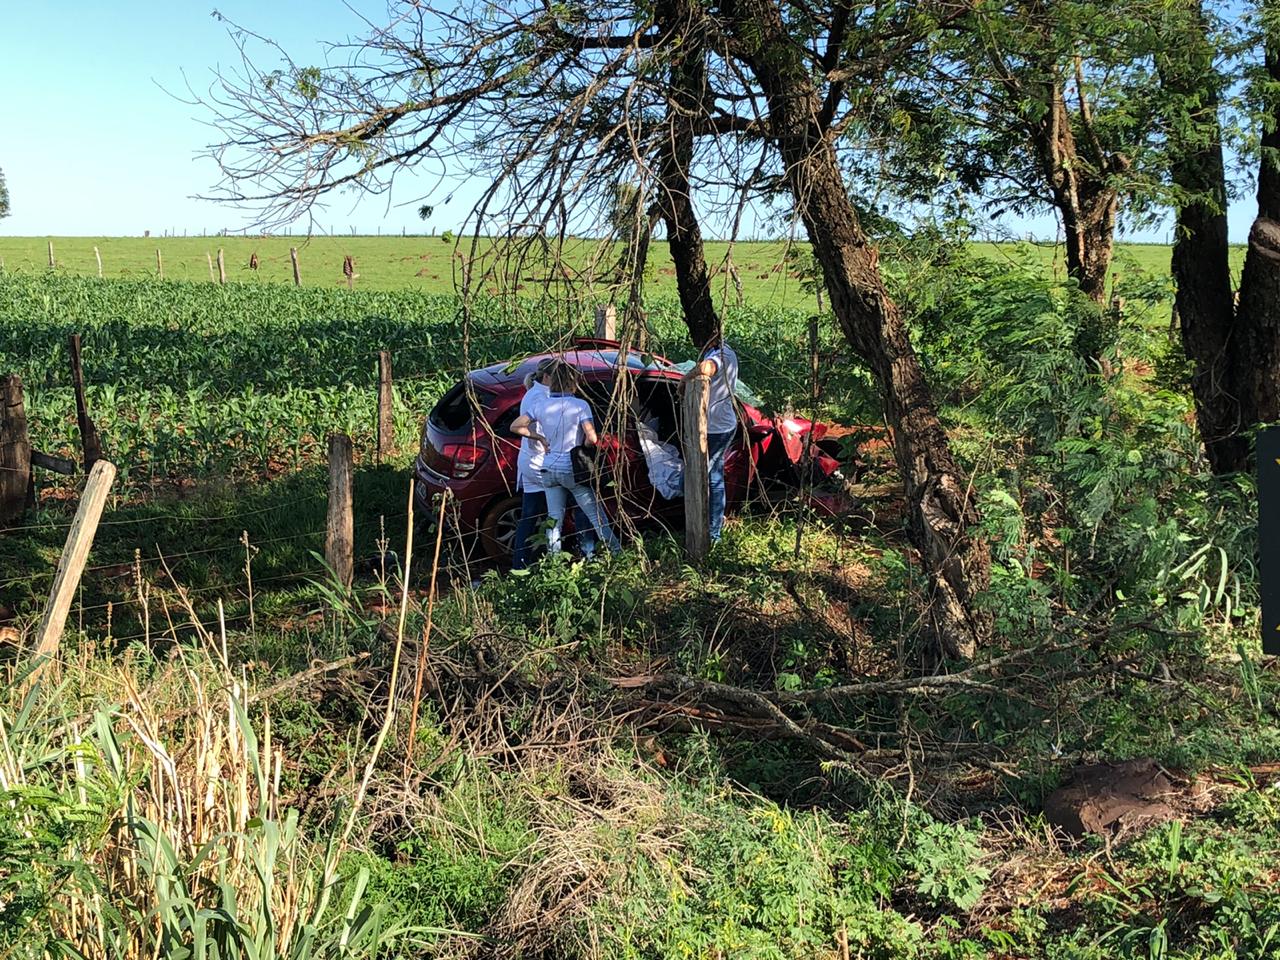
(635, 361)
(455, 409)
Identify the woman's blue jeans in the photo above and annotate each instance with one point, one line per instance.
(558, 484)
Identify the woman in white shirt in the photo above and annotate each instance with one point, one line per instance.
(533, 502)
(558, 421)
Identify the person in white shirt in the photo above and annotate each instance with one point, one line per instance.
(533, 502)
(558, 422)
(720, 364)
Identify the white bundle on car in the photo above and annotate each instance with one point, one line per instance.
(666, 468)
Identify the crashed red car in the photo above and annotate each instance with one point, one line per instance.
(468, 448)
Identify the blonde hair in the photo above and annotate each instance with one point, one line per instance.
(564, 377)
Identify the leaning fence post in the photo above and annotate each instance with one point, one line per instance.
(92, 448)
(297, 273)
(693, 441)
(71, 564)
(98, 256)
(339, 537)
(15, 451)
(606, 322)
(386, 418)
(222, 268)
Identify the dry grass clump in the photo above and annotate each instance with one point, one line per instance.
(590, 836)
(148, 807)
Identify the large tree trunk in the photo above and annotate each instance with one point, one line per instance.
(1257, 333)
(675, 199)
(1201, 270)
(940, 506)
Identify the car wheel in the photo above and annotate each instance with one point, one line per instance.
(498, 528)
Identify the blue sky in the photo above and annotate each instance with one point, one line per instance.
(94, 145)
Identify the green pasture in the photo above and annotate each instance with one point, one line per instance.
(429, 264)
(432, 264)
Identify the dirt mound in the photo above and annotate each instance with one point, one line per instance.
(1118, 799)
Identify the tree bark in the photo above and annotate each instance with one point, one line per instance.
(675, 199)
(940, 506)
(1085, 202)
(1257, 336)
(1201, 270)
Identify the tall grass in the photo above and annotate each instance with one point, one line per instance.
(141, 816)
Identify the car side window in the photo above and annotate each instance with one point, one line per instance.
(598, 394)
(502, 426)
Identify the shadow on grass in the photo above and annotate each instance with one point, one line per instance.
(198, 543)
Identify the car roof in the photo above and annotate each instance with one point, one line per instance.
(595, 362)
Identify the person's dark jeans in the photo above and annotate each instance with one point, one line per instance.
(717, 447)
(533, 511)
(533, 507)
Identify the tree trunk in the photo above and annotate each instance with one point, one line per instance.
(1201, 271)
(940, 507)
(1257, 332)
(1094, 231)
(1085, 203)
(675, 199)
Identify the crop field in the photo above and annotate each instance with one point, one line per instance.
(432, 264)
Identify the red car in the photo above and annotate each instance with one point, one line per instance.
(468, 448)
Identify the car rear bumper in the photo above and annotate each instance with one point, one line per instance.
(466, 505)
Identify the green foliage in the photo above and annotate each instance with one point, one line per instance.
(762, 882)
(247, 380)
(945, 859)
(458, 870)
(4, 197)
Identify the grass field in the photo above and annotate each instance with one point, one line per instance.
(431, 264)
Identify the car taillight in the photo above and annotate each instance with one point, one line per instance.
(465, 457)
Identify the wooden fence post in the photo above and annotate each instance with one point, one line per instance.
(806, 461)
(71, 563)
(97, 256)
(386, 399)
(15, 451)
(339, 537)
(349, 269)
(159, 263)
(52, 263)
(606, 322)
(297, 273)
(693, 442)
(89, 443)
(222, 268)
(209, 256)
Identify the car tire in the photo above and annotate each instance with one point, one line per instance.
(498, 528)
